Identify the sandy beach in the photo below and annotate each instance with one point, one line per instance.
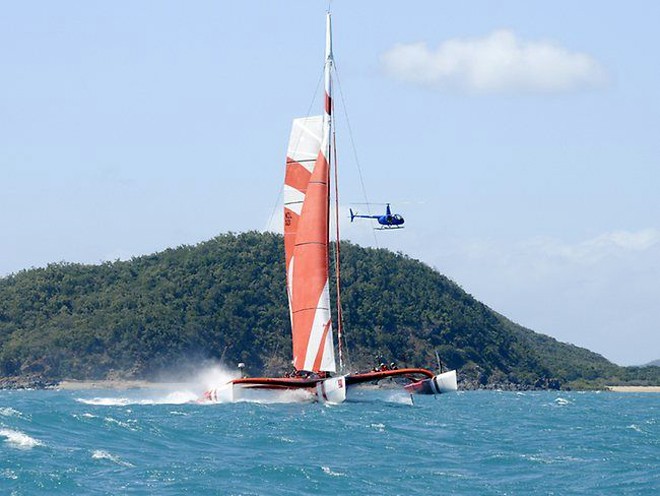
(634, 389)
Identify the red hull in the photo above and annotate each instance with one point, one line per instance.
(412, 374)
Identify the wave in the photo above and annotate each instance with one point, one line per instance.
(104, 455)
(10, 412)
(129, 424)
(18, 439)
(328, 471)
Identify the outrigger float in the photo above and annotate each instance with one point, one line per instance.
(306, 246)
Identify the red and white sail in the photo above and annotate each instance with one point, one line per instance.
(306, 233)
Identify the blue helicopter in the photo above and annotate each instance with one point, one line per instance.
(387, 221)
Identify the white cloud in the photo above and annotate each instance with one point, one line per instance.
(499, 62)
(614, 244)
(600, 292)
(634, 241)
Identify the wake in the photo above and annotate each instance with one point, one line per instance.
(194, 387)
(173, 398)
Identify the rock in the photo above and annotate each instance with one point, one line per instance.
(26, 382)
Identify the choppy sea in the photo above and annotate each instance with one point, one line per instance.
(474, 443)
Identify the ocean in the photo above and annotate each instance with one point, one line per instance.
(158, 442)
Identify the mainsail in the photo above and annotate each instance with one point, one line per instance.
(306, 233)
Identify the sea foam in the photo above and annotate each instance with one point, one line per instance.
(8, 411)
(104, 455)
(19, 440)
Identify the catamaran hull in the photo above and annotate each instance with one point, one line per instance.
(331, 390)
(438, 384)
(334, 390)
(235, 393)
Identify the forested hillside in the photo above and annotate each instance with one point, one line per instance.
(226, 299)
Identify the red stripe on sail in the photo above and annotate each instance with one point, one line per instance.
(310, 271)
(319, 354)
(296, 175)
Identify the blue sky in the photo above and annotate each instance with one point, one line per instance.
(519, 139)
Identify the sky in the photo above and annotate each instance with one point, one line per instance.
(519, 140)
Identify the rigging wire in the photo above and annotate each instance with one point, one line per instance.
(332, 152)
(340, 315)
(281, 189)
(275, 205)
(354, 148)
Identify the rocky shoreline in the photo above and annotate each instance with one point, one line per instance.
(39, 382)
(27, 382)
(540, 385)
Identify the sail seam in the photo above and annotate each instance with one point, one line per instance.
(310, 243)
(311, 308)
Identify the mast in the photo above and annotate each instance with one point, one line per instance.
(327, 73)
(332, 157)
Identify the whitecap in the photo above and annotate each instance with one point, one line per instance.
(104, 455)
(104, 401)
(400, 398)
(635, 428)
(129, 424)
(562, 401)
(328, 471)
(83, 416)
(9, 474)
(8, 411)
(18, 439)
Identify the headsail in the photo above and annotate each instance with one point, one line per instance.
(306, 234)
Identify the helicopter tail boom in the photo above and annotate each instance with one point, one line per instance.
(358, 216)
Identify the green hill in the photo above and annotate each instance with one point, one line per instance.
(226, 299)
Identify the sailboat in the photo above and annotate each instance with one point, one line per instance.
(306, 246)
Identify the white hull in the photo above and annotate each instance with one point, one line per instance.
(446, 382)
(237, 393)
(331, 391)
